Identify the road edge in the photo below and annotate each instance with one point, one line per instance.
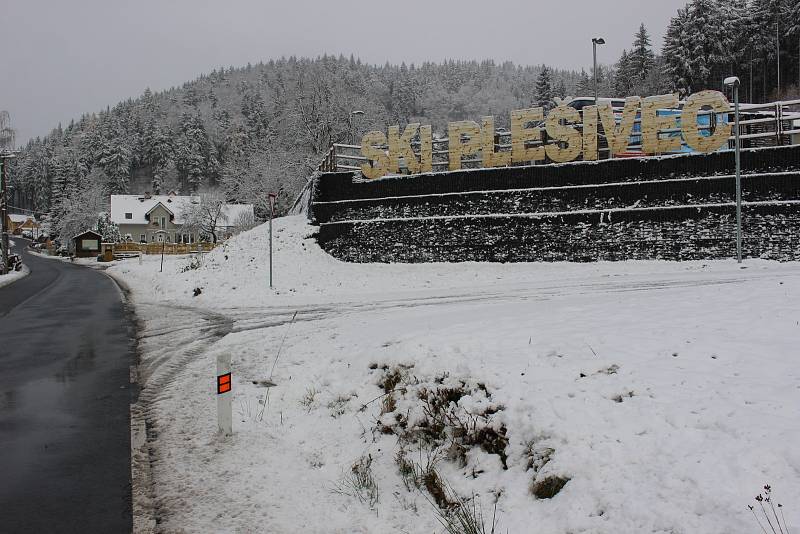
(142, 489)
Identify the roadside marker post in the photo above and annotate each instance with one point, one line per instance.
(224, 394)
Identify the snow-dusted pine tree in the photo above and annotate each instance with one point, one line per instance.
(544, 90)
(641, 58)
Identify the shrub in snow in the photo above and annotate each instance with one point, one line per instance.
(360, 483)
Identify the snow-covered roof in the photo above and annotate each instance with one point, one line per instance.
(17, 218)
(140, 205)
(87, 232)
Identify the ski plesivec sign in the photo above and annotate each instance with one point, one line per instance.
(570, 133)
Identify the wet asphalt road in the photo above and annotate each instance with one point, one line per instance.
(65, 355)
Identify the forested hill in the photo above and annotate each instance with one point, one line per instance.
(261, 128)
(265, 127)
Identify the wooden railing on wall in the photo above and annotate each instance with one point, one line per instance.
(773, 124)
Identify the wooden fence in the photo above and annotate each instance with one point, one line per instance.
(168, 248)
(771, 124)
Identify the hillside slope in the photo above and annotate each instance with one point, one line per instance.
(663, 392)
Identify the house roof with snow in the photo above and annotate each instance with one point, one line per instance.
(19, 218)
(133, 209)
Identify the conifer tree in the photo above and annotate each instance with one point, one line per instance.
(544, 90)
(641, 58)
(584, 85)
(623, 81)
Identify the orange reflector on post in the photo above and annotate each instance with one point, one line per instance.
(223, 383)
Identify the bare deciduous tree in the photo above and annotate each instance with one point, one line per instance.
(204, 213)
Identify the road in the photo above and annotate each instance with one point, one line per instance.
(66, 347)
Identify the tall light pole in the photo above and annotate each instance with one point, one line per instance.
(353, 115)
(596, 41)
(733, 81)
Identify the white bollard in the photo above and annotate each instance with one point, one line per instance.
(224, 394)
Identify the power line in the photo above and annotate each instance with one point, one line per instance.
(22, 209)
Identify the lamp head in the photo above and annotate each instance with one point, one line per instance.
(357, 112)
(599, 41)
(731, 81)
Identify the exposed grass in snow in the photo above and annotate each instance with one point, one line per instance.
(601, 398)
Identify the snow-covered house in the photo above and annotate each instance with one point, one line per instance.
(156, 218)
(19, 223)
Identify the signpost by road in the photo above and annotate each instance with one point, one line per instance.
(272, 197)
(224, 394)
(163, 234)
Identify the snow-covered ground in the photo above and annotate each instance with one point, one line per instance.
(667, 393)
(13, 276)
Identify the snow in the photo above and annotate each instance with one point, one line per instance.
(19, 219)
(668, 391)
(13, 276)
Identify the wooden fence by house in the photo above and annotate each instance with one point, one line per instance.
(168, 248)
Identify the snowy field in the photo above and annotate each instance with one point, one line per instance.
(664, 394)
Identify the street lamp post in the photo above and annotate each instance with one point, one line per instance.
(733, 81)
(353, 115)
(596, 41)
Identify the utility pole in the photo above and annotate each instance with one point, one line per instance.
(6, 153)
(4, 209)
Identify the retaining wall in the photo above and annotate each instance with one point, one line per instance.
(674, 208)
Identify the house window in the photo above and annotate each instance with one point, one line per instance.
(163, 222)
(129, 215)
(142, 238)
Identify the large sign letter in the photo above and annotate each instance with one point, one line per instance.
(377, 160)
(563, 134)
(619, 136)
(590, 133)
(691, 133)
(400, 146)
(490, 157)
(426, 149)
(521, 135)
(653, 123)
(457, 148)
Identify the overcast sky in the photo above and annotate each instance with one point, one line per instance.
(61, 58)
